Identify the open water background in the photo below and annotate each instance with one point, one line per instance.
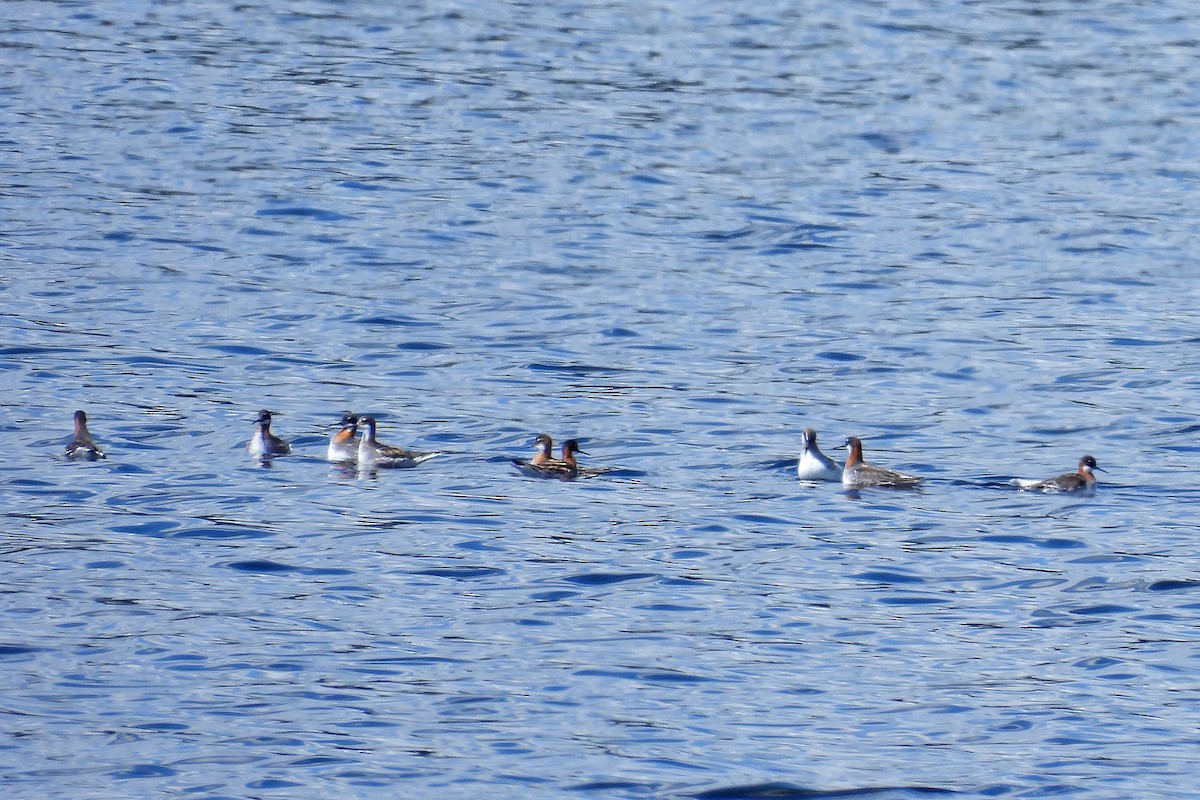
(681, 231)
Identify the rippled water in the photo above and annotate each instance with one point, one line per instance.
(680, 232)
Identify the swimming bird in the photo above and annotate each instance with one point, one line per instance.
(859, 473)
(813, 464)
(1081, 479)
(81, 447)
(569, 448)
(542, 464)
(342, 446)
(265, 443)
(372, 454)
(542, 446)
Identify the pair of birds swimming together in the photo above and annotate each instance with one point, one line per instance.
(564, 468)
(816, 466)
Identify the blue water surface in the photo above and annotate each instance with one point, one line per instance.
(680, 232)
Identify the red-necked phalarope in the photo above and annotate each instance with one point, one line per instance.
(569, 448)
(542, 461)
(1081, 479)
(813, 464)
(542, 446)
(373, 454)
(859, 473)
(81, 447)
(265, 443)
(342, 446)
